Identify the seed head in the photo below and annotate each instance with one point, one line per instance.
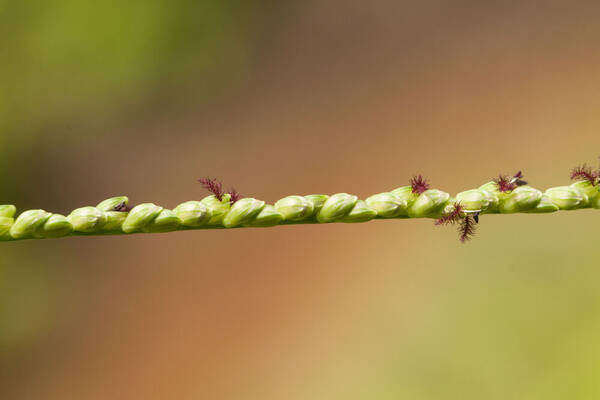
(7, 210)
(565, 197)
(29, 223)
(56, 226)
(430, 202)
(387, 205)
(243, 212)
(295, 208)
(336, 207)
(193, 213)
(140, 216)
(87, 219)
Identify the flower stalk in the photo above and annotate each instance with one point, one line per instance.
(211, 212)
(114, 216)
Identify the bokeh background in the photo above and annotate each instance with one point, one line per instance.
(141, 98)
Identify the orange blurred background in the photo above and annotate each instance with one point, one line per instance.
(278, 98)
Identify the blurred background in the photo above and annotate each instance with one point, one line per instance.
(141, 98)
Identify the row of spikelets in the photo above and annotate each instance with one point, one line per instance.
(248, 212)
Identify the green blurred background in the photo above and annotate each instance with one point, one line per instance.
(140, 98)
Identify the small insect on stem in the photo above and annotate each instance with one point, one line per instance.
(418, 184)
(516, 179)
(509, 183)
